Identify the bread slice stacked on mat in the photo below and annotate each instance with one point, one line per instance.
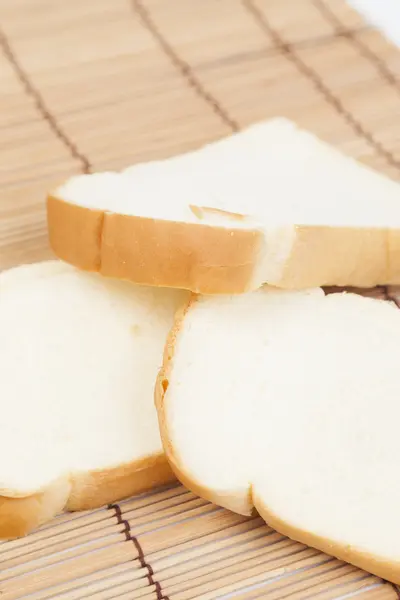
(289, 402)
(79, 355)
(270, 205)
(280, 400)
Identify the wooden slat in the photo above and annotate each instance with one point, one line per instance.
(106, 84)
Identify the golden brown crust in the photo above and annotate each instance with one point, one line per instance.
(195, 256)
(97, 488)
(393, 256)
(19, 516)
(209, 259)
(373, 564)
(75, 234)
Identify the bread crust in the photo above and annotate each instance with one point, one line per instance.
(210, 259)
(100, 487)
(19, 516)
(368, 562)
(341, 256)
(202, 258)
(231, 499)
(234, 501)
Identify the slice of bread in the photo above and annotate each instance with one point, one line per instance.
(288, 402)
(79, 357)
(271, 204)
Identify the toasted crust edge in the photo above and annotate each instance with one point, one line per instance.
(96, 488)
(207, 259)
(251, 503)
(364, 560)
(210, 259)
(19, 516)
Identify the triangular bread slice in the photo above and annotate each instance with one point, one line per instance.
(79, 357)
(271, 204)
(289, 403)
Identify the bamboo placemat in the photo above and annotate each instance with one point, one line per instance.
(100, 84)
(170, 544)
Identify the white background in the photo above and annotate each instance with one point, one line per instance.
(384, 14)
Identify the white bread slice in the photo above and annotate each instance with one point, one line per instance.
(271, 204)
(289, 402)
(79, 356)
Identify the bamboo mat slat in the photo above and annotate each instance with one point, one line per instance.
(88, 86)
(105, 555)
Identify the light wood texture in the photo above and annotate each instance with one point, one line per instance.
(170, 544)
(91, 85)
(100, 85)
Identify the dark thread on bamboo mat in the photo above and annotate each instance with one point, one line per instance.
(363, 49)
(182, 66)
(321, 40)
(316, 42)
(39, 102)
(131, 538)
(313, 76)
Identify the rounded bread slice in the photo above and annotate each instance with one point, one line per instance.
(79, 356)
(272, 204)
(288, 403)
